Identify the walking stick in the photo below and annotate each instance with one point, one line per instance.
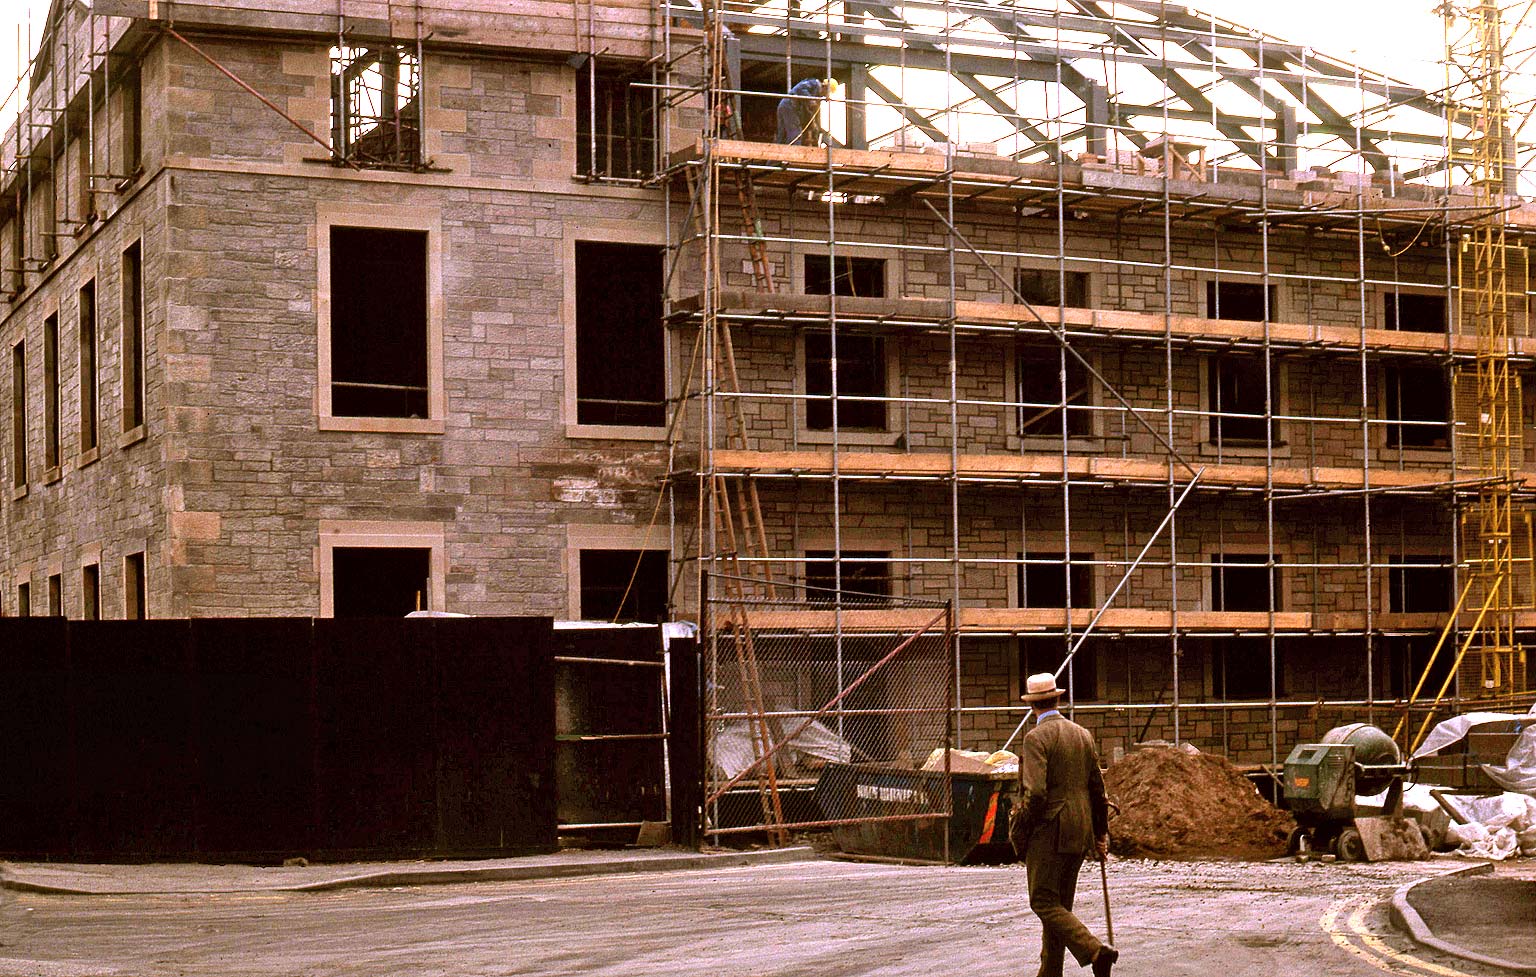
(1109, 923)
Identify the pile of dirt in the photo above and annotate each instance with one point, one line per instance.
(1178, 804)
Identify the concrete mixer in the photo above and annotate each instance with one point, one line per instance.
(1322, 788)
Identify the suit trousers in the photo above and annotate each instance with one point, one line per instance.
(1052, 884)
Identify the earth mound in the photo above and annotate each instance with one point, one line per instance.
(1178, 804)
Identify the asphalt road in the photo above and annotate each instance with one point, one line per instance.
(809, 919)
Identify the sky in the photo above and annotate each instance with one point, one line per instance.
(1402, 38)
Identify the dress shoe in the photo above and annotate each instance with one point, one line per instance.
(1104, 959)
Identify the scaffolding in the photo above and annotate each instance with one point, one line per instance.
(1235, 249)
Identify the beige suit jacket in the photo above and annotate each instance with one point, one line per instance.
(1061, 791)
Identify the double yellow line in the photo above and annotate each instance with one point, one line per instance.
(1354, 937)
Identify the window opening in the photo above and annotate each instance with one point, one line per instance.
(88, 389)
(378, 322)
(1236, 396)
(1243, 301)
(19, 414)
(23, 600)
(1043, 287)
(1043, 577)
(860, 277)
(135, 604)
(380, 581)
(860, 373)
(1419, 585)
(90, 592)
(1419, 397)
(607, 593)
(1242, 582)
(1410, 656)
(133, 337)
(376, 109)
(1039, 373)
(1240, 669)
(623, 144)
(620, 341)
(51, 391)
(1415, 312)
(55, 595)
(866, 576)
(131, 85)
(1081, 678)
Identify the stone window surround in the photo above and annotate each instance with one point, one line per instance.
(1052, 442)
(590, 536)
(1091, 268)
(1379, 294)
(418, 218)
(1279, 405)
(893, 388)
(1379, 413)
(1388, 561)
(90, 555)
(1091, 648)
(87, 272)
(799, 252)
(1208, 554)
(857, 538)
(612, 232)
(359, 533)
(126, 548)
(21, 575)
(1056, 542)
(1278, 309)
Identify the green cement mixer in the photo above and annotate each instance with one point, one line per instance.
(1322, 784)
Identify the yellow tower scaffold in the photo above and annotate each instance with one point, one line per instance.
(1492, 280)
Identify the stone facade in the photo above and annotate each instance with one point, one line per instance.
(237, 482)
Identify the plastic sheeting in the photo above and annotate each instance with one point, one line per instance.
(1453, 729)
(1501, 826)
(1519, 769)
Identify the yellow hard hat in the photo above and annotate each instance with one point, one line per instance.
(830, 85)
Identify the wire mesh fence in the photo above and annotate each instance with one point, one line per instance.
(804, 685)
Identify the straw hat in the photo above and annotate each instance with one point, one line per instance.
(1040, 686)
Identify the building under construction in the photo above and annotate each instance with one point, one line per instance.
(1105, 329)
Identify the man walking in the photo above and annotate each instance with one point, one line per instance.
(1063, 815)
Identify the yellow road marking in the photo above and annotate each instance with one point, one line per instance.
(1357, 923)
(1375, 951)
(1329, 924)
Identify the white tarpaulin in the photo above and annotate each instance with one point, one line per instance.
(1453, 729)
(1518, 772)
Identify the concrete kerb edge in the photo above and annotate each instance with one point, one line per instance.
(428, 876)
(1406, 918)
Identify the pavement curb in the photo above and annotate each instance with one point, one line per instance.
(1406, 918)
(437, 876)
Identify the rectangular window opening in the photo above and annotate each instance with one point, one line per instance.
(856, 276)
(24, 600)
(19, 250)
(1044, 287)
(1419, 403)
(19, 414)
(1241, 582)
(378, 323)
(1243, 301)
(135, 594)
(376, 106)
(90, 592)
(88, 389)
(1409, 659)
(133, 336)
(1081, 677)
(1240, 670)
(1236, 397)
(1415, 312)
(51, 391)
(1043, 579)
(1040, 395)
(624, 585)
(1420, 585)
(381, 581)
(860, 374)
(48, 235)
(866, 577)
(56, 595)
(616, 137)
(620, 340)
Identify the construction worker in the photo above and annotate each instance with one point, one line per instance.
(800, 112)
(1062, 816)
